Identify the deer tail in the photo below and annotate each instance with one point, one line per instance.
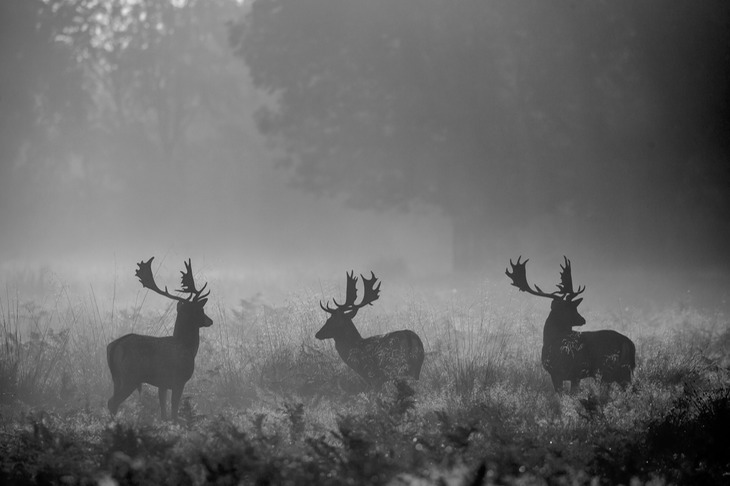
(416, 352)
(110, 360)
(628, 350)
(114, 354)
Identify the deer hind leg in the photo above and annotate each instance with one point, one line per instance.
(557, 384)
(574, 386)
(624, 376)
(175, 402)
(121, 392)
(162, 395)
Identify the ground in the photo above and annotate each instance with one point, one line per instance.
(268, 404)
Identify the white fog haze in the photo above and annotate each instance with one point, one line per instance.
(282, 147)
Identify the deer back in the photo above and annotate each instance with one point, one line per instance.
(163, 362)
(376, 359)
(610, 354)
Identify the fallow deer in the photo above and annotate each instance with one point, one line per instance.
(165, 362)
(572, 355)
(376, 359)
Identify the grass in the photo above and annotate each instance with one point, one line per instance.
(269, 404)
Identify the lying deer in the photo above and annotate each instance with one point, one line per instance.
(165, 362)
(571, 355)
(376, 359)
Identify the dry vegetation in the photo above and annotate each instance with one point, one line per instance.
(268, 404)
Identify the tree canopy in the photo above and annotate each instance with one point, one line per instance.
(109, 107)
(503, 113)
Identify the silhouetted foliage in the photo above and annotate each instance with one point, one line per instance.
(503, 113)
(690, 444)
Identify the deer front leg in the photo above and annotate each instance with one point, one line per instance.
(120, 394)
(162, 395)
(557, 384)
(176, 395)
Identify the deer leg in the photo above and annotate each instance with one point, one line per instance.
(574, 386)
(120, 394)
(176, 395)
(624, 379)
(162, 395)
(557, 384)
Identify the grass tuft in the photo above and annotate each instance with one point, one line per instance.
(268, 404)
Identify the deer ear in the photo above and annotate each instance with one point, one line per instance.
(577, 302)
(202, 302)
(350, 314)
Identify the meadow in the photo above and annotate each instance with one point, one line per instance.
(269, 404)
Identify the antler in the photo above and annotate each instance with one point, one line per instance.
(370, 294)
(144, 273)
(519, 280)
(565, 286)
(188, 284)
(351, 293)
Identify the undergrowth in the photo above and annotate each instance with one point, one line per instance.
(268, 404)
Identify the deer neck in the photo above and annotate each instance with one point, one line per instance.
(187, 332)
(555, 329)
(347, 338)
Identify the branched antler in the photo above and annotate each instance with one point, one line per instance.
(370, 295)
(351, 293)
(519, 280)
(144, 273)
(188, 284)
(565, 286)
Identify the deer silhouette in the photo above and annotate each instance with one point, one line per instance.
(376, 359)
(572, 355)
(165, 362)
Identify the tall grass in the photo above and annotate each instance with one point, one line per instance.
(269, 403)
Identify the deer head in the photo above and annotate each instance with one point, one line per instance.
(341, 315)
(564, 310)
(192, 305)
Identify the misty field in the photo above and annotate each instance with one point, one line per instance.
(269, 404)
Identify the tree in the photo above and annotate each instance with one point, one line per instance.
(447, 103)
(159, 70)
(41, 98)
(499, 113)
(121, 109)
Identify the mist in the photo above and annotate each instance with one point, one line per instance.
(282, 143)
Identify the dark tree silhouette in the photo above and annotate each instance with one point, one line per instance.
(113, 108)
(41, 96)
(498, 113)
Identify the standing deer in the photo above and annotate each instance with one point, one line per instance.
(376, 359)
(165, 362)
(571, 355)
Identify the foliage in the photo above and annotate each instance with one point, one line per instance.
(107, 105)
(687, 443)
(479, 413)
(502, 114)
